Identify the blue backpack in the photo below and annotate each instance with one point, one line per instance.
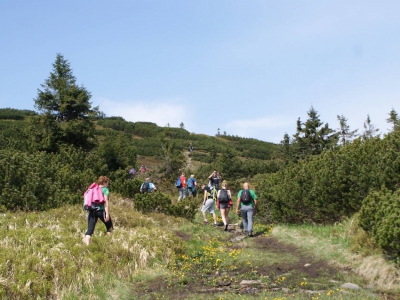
(191, 182)
(178, 183)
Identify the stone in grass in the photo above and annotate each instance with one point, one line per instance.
(311, 292)
(238, 238)
(350, 286)
(245, 283)
(307, 265)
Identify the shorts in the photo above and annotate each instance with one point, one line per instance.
(224, 205)
(209, 205)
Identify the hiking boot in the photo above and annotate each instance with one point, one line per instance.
(251, 234)
(215, 225)
(226, 227)
(205, 222)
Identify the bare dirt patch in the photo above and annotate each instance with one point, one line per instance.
(183, 236)
(305, 264)
(282, 274)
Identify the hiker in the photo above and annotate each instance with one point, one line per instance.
(143, 169)
(101, 213)
(247, 205)
(147, 186)
(224, 203)
(191, 184)
(132, 173)
(208, 204)
(214, 180)
(191, 148)
(182, 188)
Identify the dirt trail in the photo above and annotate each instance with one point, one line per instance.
(276, 268)
(188, 159)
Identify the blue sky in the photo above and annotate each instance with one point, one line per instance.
(250, 68)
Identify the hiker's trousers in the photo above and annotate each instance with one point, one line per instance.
(247, 212)
(182, 193)
(93, 216)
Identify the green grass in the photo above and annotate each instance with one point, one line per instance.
(42, 253)
(42, 256)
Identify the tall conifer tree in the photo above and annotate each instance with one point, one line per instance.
(63, 101)
(313, 136)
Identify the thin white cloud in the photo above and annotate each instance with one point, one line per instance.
(161, 112)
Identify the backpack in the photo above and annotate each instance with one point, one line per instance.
(246, 197)
(178, 183)
(145, 187)
(93, 197)
(190, 183)
(223, 196)
(132, 171)
(213, 193)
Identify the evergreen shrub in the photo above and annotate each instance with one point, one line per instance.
(326, 187)
(380, 217)
(160, 203)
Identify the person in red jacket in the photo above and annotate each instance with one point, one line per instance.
(182, 189)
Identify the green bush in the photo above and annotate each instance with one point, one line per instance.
(40, 181)
(152, 202)
(121, 184)
(380, 217)
(15, 114)
(201, 157)
(327, 187)
(160, 203)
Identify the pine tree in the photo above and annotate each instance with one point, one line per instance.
(229, 164)
(369, 129)
(394, 120)
(286, 147)
(68, 104)
(344, 133)
(61, 96)
(313, 136)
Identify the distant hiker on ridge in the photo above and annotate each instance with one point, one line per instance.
(143, 169)
(132, 173)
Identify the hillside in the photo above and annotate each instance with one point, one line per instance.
(344, 196)
(123, 145)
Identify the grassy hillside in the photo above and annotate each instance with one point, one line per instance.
(155, 256)
(147, 140)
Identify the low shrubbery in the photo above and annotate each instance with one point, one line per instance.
(380, 217)
(160, 203)
(40, 180)
(333, 184)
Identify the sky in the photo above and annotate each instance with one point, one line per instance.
(250, 67)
